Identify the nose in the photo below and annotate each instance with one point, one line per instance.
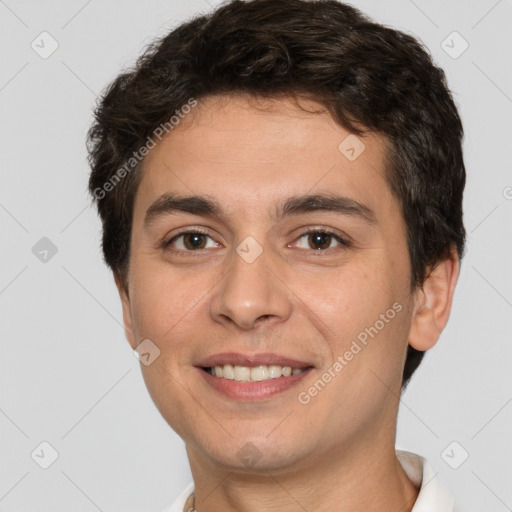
(251, 292)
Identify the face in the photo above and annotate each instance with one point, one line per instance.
(255, 273)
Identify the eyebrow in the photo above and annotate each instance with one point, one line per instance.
(168, 204)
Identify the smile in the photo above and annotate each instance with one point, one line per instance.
(252, 374)
(252, 384)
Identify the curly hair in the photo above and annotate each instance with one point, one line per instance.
(368, 76)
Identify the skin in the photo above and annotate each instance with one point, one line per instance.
(338, 449)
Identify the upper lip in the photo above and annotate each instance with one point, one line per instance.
(265, 359)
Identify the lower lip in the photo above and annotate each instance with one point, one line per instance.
(253, 391)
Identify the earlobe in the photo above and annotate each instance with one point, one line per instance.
(433, 303)
(127, 312)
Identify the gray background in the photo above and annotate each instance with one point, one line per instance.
(67, 374)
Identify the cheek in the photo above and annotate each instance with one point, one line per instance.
(162, 300)
(166, 308)
(365, 309)
(353, 297)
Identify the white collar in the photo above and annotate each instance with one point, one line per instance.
(433, 495)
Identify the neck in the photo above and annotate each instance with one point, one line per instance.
(359, 479)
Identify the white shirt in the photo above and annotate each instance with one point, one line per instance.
(433, 495)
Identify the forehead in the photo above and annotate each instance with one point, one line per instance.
(251, 153)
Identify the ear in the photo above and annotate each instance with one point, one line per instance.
(433, 302)
(127, 312)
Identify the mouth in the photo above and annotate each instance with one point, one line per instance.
(258, 373)
(252, 377)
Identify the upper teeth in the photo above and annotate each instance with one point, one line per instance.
(258, 373)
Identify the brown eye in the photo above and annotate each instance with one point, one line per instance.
(321, 240)
(190, 241)
(194, 241)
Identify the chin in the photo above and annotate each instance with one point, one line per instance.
(255, 455)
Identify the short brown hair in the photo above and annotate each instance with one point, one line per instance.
(368, 76)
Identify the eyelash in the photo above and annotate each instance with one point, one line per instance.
(309, 231)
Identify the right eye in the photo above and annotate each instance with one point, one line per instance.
(192, 240)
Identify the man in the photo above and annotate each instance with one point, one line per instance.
(280, 185)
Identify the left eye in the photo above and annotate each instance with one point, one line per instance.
(321, 239)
